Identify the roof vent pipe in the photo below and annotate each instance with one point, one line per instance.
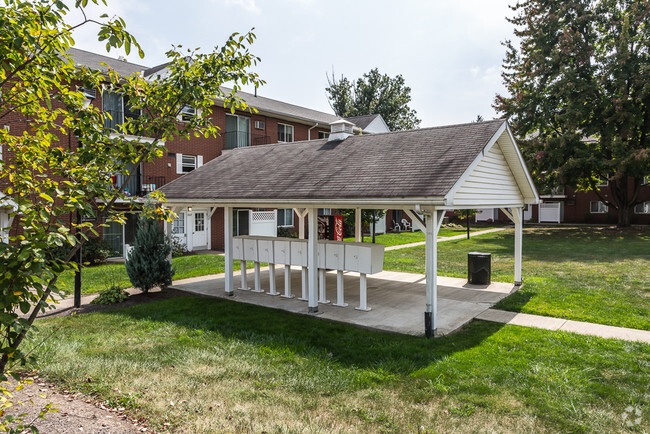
(340, 130)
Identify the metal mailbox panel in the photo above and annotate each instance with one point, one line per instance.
(282, 251)
(321, 254)
(351, 257)
(265, 250)
(299, 253)
(237, 248)
(250, 249)
(335, 256)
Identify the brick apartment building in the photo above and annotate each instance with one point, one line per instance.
(274, 122)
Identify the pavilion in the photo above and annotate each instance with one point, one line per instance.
(424, 172)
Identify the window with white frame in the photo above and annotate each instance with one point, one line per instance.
(238, 131)
(597, 207)
(187, 113)
(323, 135)
(285, 217)
(285, 133)
(642, 208)
(646, 180)
(179, 224)
(603, 182)
(186, 163)
(324, 211)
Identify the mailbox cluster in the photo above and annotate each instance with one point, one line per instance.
(333, 255)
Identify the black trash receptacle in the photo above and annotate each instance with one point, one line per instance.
(479, 268)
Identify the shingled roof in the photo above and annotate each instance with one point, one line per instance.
(423, 163)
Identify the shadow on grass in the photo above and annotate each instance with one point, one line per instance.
(310, 337)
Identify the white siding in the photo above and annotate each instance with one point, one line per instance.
(490, 183)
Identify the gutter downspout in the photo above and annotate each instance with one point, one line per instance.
(309, 131)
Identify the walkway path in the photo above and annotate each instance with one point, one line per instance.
(566, 325)
(441, 239)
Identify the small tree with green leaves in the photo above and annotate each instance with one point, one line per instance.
(148, 263)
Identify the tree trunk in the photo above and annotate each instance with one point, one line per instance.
(624, 214)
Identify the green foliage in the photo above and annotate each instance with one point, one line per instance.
(112, 295)
(148, 263)
(60, 165)
(374, 93)
(179, 248)
(579, 95)
(286, 233)
(366, 219)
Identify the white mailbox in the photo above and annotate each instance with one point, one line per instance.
(299, 253)
(282, 251)
(335, 255)
(364, 257)
(238, 248)
(250, 249)
(321, 254)
(265, 250)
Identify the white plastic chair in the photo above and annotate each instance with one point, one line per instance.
(406, 224)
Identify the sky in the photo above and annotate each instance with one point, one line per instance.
(448, 51)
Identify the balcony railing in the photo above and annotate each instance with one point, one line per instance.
(242, 139)
(138, 185)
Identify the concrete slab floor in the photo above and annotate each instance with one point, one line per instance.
(397, 299)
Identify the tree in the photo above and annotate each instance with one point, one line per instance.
(366, 219)
(579, 95)
(374, 93)
(60, 164)
(148, 263)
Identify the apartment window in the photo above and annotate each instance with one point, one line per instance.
(179, 224)
(645, 180)
(186, 163)
(642, 208)
(187, 113)
(324, 211)
(597, 207)
(238, 131)
(119, 109)
(603, 182)
(323, 135)
(285, 217)
(285, 133)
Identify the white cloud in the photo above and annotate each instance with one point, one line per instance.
(247, 5)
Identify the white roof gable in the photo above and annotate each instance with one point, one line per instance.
(498, 177)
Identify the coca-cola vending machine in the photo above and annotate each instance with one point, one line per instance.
(330, 227)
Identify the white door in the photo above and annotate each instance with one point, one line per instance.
(199, 228)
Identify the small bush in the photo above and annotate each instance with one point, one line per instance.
(287, 233)
(147, 264)
(112, 295)
(95, 251)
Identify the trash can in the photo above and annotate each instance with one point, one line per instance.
(479, 268)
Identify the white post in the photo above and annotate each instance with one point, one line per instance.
(363, 293)
(287, 282)
(312, 255)
(303, 291)
(301, 212)
(244, 283)
(431, 235)
(322, 287)
(228, 227)
(340, 301)
(357, 225)
(272, 290)
(168, 233)
(258, 284)
(518, 220)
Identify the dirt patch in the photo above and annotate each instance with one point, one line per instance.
(76, 412)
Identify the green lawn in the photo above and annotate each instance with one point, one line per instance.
(394, 239)
(95, 279)
(587, 274)
(209, 365)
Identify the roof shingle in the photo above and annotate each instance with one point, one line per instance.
(406, 164)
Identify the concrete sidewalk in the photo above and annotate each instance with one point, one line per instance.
(442, 239)
(565, 325)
